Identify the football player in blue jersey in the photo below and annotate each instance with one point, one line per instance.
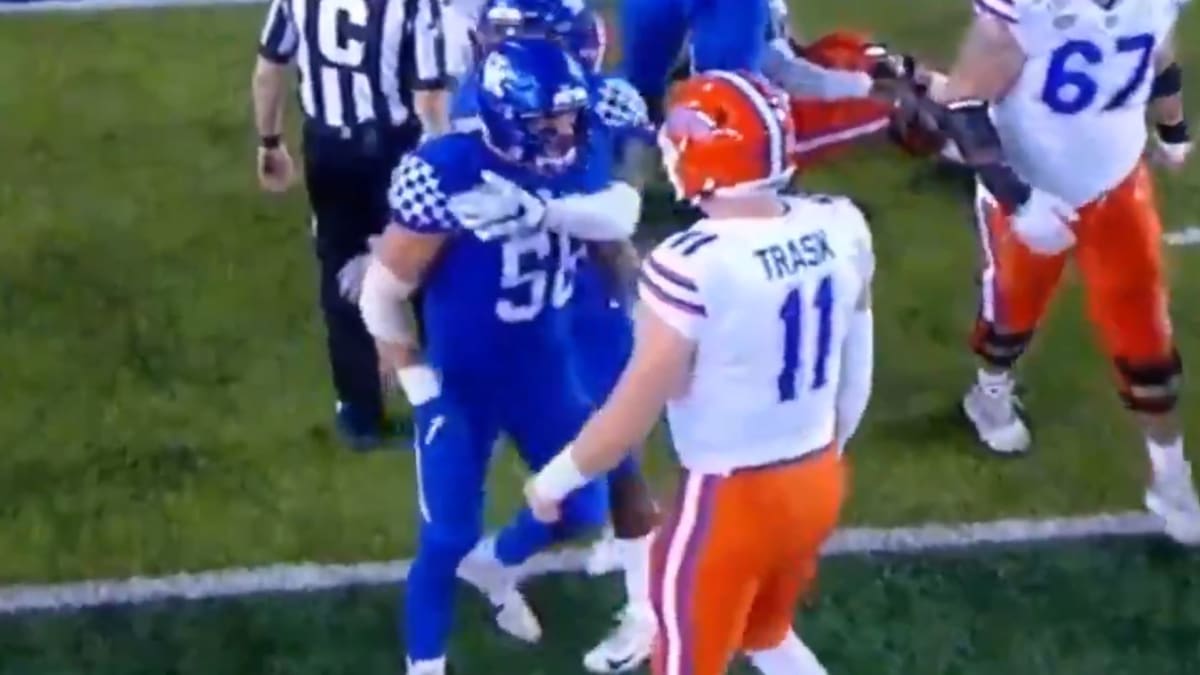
(600, 314)
(488, 225)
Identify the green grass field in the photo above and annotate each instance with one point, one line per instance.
(164, 403)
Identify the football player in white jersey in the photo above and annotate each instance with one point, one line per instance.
(1048, 101)
(754, 330)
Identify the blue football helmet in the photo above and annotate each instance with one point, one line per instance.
(533, 101)
(585, 35)
(503, 19)
(571, 22)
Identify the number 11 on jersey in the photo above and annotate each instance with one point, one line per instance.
(794, 314)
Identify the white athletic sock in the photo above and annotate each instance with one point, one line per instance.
(635, 561)
(1166, 459)
(791, 657)
(995, 383)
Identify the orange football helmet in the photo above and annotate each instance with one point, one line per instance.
(726, 132)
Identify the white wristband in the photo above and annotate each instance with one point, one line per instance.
(560, 477)
(420, 384)
(937, 87)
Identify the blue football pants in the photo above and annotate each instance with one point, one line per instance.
(541, 406)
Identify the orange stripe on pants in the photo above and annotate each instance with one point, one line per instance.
(735, 557)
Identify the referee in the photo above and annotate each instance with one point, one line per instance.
(372, 81)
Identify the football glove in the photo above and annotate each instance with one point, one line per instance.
(497, 208)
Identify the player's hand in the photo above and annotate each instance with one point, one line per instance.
(1044, 223)
(496, 208)
(276, 171)
(1172, 147)
(350, 277)
(545, 510)
(889, 65)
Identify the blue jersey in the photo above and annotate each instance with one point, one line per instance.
(490, 303)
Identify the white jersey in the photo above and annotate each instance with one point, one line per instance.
(1074, 124)
(768, 303)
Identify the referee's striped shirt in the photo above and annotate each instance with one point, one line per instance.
(359, 60)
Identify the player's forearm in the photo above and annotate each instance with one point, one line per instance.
(858, 365)
(386, 312)
(610, 214)
(621, 424)
(269, 91)
(802, 78)
(433, 109)
(1166, 90)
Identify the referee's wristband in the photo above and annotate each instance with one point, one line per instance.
(270, 141)
(1174, 133)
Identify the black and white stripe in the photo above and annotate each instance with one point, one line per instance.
(359, 60)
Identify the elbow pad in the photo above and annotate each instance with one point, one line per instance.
(382, 304)
(858, 365)
(608, 215)
(969, 124)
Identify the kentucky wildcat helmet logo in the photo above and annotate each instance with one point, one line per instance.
(497, 74)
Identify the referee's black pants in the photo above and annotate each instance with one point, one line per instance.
(348, 173)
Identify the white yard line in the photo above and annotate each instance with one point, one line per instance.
(312, 576)
(1184, 236)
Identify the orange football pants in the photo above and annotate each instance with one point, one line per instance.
(735, 557)
(1119, 255)
(825, 128)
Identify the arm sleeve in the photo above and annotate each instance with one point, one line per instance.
(802, 78)
(1004, 10)
(429, 46)
(670, 286)
(857, 371)
(858, 348)
(417, 197)
(279, 38)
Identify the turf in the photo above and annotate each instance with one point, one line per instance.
(164, 405)
(1126, 608)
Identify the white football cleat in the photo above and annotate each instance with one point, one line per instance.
(428, 667)
(628, 646)
(1172, 497)
(498, 583)
(605, 555)
(996, 413)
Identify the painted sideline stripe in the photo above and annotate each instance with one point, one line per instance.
(55, 6)
(315, 577)
(1187, 236)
